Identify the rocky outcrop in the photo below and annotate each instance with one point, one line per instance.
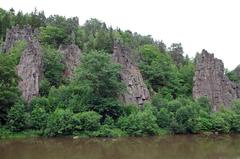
(29, 68)
(137, 92)
(210, 81)
(71, 54)
(15, 34)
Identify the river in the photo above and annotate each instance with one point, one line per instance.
(167, 147)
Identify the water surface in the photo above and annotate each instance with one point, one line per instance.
(169, 147)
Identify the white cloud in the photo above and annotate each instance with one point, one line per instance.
(198, 24)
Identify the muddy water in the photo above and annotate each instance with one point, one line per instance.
(170, 147)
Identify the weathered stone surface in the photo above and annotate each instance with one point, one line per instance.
(137, 92)
(29, 68)
(15, 34)
(236, 71)
(210, 81)
(71, 54)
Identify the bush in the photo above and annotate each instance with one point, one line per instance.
(174, 105)
(219, 124)
(17, 117)
(108, 107)
(53, 66)
(236, 124)
(204, 104)
(60, 97)
(139, 123)
(59, 123)
(203, 124)
(163, 118)
(106, 131)
(44, 87)
(186, 117)
(38, 118)
(177, 128)
(185, 113)
(86, 121)
(40, 102)
(236, 106)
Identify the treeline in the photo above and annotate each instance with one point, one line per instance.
(88, 104)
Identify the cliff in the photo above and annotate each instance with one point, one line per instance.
(137, 92)
(210, 81)
(29, 68)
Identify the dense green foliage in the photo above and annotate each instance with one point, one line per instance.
(9, 93)
(17, 117)
(53, 66)
(88, 103)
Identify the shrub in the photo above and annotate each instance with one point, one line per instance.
(236, 106)
(40, 102)
(204, 104)
(44, 87)
(139, 123)
(236, 124)
(38, 118)
(219, 124)
(163, 118)
(106, 131)
(53, 66)
(17, 117)
(59, 123)
(177, 128)
(186, 118)
(203, 124)
(174, 105)
(86, 121)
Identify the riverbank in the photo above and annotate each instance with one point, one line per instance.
(8, 134)
(112, 133)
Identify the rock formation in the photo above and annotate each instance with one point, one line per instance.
(15, 34)
(137, 92)
(29, 68)
(71, 54)
(210, 81)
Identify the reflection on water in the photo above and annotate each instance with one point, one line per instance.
(170, 147)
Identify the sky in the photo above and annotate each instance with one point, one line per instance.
(213, 25)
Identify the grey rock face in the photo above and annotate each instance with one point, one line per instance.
(210, 81)
(15, 34)
(137, 92)
(236, 71)
(29, 68)
(71, 54)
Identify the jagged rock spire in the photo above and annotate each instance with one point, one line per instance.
(29, 68)
(211, 82)
(137, 92)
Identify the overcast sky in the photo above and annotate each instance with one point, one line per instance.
(213, 25)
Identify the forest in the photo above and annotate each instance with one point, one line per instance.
(88, 104)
